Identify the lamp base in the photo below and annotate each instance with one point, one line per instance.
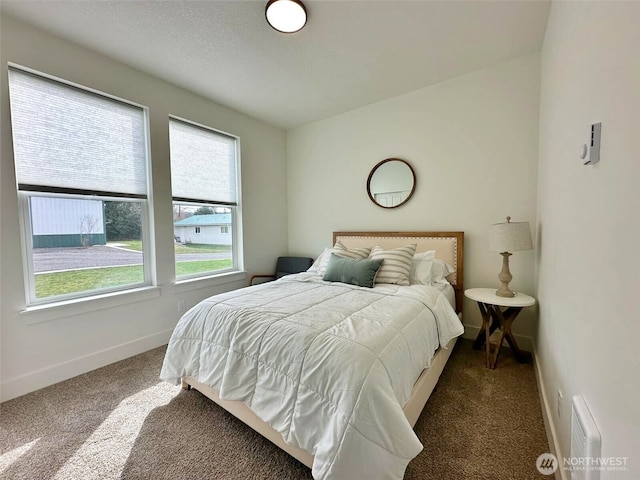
(505, 292)
(505, 277)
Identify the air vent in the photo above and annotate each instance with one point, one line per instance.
(585, 442)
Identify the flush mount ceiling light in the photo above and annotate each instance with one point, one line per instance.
(286, 16)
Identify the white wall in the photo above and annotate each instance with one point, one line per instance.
(39, 348)
(473, 143)
(589, 222)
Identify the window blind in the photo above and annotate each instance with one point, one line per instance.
(70, 140)
(203, 164)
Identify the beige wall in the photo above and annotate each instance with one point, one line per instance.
(589, 223)
(473, 143)
(40, 348)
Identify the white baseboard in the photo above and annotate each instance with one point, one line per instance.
(549, 424)
(525, 343)
(15, 387)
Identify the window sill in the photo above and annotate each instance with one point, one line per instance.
(69, 308)
(190, 284)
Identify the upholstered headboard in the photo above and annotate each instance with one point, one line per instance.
(449, 246)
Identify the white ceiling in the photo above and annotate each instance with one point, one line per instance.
(350, 54)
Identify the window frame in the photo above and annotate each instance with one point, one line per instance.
(235, 253)
(235, 232)
(25, 191)
(27, 250)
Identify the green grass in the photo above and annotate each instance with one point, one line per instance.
(130, 244)
(201, 248)
(189, 268)
(74, 281)
(186, 248)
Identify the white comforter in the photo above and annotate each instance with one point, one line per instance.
(328, 365)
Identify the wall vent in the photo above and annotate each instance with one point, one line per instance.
(585, 442)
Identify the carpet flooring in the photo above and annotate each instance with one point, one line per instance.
(121, 422)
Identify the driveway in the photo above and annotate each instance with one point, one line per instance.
(70, 258)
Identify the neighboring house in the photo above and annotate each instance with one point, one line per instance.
(213, 229)
(64, 222)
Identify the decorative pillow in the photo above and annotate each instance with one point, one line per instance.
(396, 266)
(439, 271)
(356, 252)
(421, 268)
(361, 272)
(340, 250)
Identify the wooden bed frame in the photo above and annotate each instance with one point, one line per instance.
(449, 247)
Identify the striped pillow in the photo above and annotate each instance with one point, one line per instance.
(396, 265)
(340, 250)
(357, 252)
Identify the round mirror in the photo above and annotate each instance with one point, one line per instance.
(391, 183)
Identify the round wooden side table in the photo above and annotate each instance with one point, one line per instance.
(498, 312)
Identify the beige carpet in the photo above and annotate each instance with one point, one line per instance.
(121, 422)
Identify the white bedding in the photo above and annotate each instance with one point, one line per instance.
(448, 291)
(328, 365)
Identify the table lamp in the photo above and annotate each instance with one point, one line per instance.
(505, 238)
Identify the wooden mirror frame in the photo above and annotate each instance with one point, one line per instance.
(373, 170)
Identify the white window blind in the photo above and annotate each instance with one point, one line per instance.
(203, 164)
(71, 140)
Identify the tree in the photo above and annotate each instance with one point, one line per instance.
(203, 211)
(87, 226)
(180, 212)
(124, 220)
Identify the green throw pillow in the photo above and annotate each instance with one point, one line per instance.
(361, 272)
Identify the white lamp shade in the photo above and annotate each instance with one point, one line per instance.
(286, 16)
(510, 237)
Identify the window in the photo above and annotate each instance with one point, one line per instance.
(81, 166)
(204, 179)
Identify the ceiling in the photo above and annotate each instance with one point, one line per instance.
(350, 53)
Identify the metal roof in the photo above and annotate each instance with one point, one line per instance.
(202, 220)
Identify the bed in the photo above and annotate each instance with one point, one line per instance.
(281, 357)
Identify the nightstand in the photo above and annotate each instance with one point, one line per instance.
(498, 312)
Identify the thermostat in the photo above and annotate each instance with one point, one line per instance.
(590, 153)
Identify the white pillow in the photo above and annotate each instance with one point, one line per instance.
(421, 268)
(396, 266)
(322, 258)
(439, 271)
